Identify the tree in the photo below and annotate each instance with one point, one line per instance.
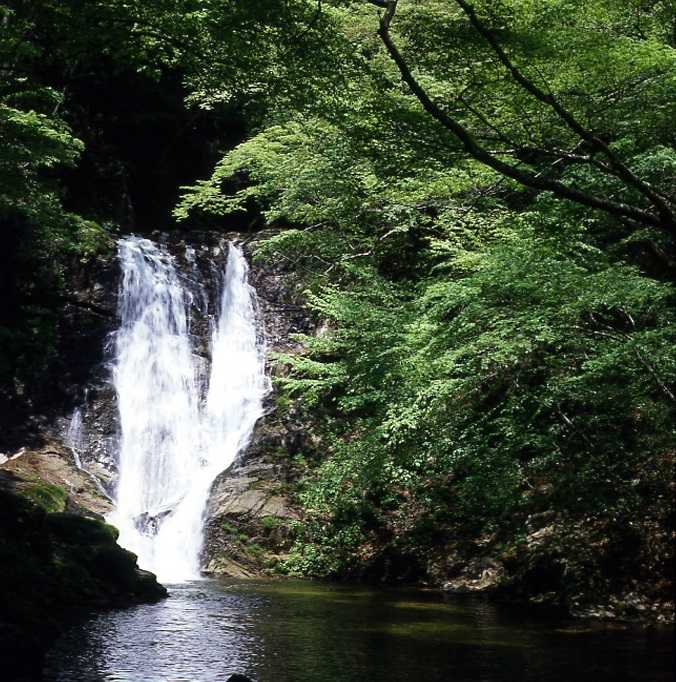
(588, 146)
(498, 344)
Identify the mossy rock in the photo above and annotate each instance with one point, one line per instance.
(78, 530)
(51, 498)
(53, 568)
(116, 565)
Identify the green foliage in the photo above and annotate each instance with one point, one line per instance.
(229, 528)
(541, 362)
(271, 522)
(488, 351)
(51, 52)
(51, 498)
(40, 237)
(481, 344)
(255, 550)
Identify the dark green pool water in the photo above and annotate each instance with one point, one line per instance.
(284, 631)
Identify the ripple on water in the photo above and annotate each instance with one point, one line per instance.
(288, 631)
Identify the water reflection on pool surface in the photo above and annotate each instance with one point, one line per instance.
(287, 631)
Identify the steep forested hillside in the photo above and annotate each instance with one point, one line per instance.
(479, 202)
(482, 209)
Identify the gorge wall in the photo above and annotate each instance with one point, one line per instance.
(249, 509)
(253, 509)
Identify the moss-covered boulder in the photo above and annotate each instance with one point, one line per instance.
(54, 567)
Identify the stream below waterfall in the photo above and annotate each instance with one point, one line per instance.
(289, 631)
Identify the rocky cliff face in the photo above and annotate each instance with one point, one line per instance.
(251, 513)
(87, 341)
(250, 516)
(58, 467)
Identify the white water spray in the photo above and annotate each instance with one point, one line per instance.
(75, 435)
(173, 443)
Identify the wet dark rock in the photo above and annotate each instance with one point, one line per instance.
(239, 678)
(281, 304)
(54, 567)
(149, 524)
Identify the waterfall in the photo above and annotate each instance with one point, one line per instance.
(75, 435)
(177, 435)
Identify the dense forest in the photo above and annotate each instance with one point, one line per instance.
(476, 202)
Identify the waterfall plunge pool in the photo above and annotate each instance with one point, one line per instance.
(284, 631)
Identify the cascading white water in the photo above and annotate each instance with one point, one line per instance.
(173, 443)
(75, 435)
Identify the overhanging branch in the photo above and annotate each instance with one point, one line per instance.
(617, 167)
(663, 219)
